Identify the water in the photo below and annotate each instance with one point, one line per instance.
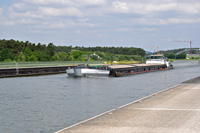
(46, 104)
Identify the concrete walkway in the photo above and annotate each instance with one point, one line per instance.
(176, 110)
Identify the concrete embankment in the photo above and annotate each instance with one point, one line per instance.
(176, 109)
(31, 71)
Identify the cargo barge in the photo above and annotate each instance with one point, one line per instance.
(114, 70)
(155, 63)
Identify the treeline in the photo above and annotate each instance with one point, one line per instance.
(173, 51)
(12, 50)
(176, 56)
(181, 50)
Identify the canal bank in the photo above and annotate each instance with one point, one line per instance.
(176, 109)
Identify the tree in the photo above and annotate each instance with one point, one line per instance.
(60, 56)
(41, 56)
(32, 58)
(50, 49)
(21, 57)
(6, 54)
(171, 56)
(76, 55)
(181, 56)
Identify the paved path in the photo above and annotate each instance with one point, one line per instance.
(176, 110)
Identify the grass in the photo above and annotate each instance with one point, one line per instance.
(59, 63)
(43, 64)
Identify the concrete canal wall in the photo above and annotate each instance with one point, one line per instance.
(31, 71)
(176, 109)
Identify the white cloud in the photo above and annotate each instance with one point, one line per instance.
(68, 2)
(149, 29)
(50, 11)
(18, 6)
(124, 29)
(26, 14)
(148, 8)
(26, 21)
(6, 23)
(103, 19)
(120, 6)
(57, 25)
(167, 21)
(83, 20)
(91, 2)
(186, 21)
(1, 11)
(47, 2)
(77, 32)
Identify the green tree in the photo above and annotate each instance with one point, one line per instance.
(76, 55)
(21, 57)
(60, 56)
(50, 49)
(181, 56)
(6, 54)
(41, 56)
(32, 58)
(171, 56)
(27, 52)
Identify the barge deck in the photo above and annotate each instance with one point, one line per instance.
(124, 70)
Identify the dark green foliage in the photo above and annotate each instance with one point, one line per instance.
(171, 56)
(6, 54)
(61, 56)
(181, 56)
(27, 51)
(114, 50)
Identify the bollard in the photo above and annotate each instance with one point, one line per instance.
(17, 69)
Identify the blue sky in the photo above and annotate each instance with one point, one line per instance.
(127, 23)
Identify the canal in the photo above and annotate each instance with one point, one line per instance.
(49, 103)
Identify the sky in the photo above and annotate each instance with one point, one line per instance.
(128, 23)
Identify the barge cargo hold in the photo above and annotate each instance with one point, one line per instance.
(157, 62)
(124, 70)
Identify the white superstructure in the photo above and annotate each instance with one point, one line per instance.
(159, 59)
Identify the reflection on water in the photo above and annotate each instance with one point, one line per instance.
(49, 103)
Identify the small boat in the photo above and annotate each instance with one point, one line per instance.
(159, 59)
(87, 71)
